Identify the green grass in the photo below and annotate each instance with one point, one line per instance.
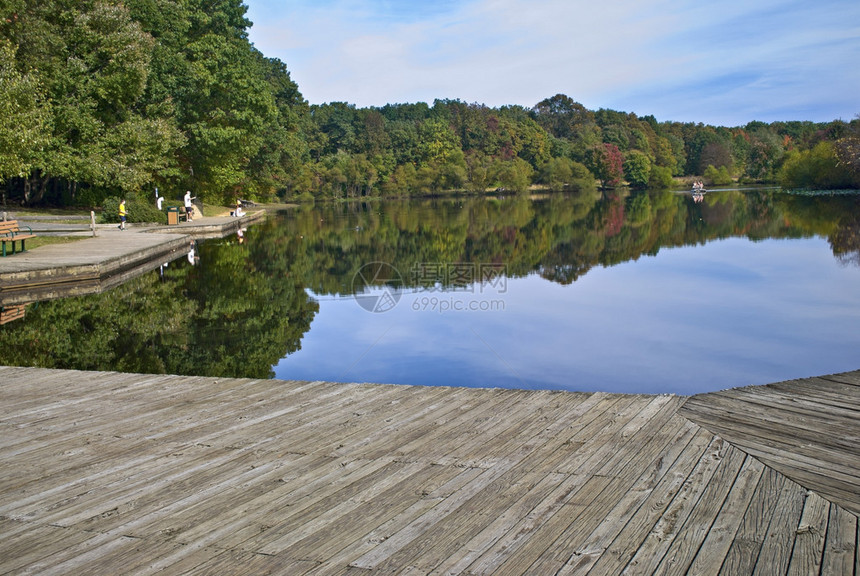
(211, 210)
(47, 240)
(35, 213)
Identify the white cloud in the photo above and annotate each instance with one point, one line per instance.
(725, 63)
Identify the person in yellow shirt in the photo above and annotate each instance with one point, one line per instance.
(122, 214)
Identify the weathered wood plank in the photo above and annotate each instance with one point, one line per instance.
(418, 434)
(810, 535)
(591, 548)
(807, 459)
(392, 546)
(824, 391)
(592, 482)
(205, 524)
(745, 548)
(513, 525)
(550, 434)
(814, 444)
(680, 532)
(24, 544)
(399, 522)
(772, 421)
(559, 532)
(87, 556)
(852, 378)
(218, 562)
(496, 548)
(776, 549)
(840, 549)
(144, 474)
(697, 460)
(611, 477)
(305, 536)
(721, 534)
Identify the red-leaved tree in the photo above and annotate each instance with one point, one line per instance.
(606, 162)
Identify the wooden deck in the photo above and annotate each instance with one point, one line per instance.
(109, 473)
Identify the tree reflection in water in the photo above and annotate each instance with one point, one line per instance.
(245, 306)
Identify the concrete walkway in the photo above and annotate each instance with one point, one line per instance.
(99, 262)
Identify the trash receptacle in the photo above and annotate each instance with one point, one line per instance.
(172, 215)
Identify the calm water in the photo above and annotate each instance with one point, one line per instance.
(648, 292)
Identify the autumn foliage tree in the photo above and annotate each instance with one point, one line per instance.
(606, 162)
(847, 150)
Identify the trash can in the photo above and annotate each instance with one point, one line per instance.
(172, 215)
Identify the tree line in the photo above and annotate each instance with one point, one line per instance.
(108, 98)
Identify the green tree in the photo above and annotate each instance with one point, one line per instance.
(22, 134)
(765, 153)
(563, 173)
(563, 117)
(557, 173)
(660, 177)
(514, 175)
(94, 63)
(438, 142)
(637, 169)
(816, 168)
(227, 104)
(718, 176)
(276, 169)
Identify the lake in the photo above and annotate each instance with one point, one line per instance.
(643, 292)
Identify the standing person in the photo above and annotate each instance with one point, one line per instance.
(192, 253)
(122, 214)
(188, 208)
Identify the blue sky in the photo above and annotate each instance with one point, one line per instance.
(723, 63)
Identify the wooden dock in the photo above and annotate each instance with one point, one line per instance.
(110, 473)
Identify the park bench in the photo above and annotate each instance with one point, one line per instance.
(10, 313)
(11, 232)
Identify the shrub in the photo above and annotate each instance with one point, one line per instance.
(660, 177)
(816, 168)
(719, 176)
(137, 210)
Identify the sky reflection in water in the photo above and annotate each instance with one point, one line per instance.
(691, 319)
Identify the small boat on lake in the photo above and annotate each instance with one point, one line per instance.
(698, 191)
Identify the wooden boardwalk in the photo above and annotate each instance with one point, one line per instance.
(109, 473)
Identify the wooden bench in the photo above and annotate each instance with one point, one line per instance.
(10, 313)
(11, 232)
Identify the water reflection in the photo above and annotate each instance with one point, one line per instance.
(643, 292)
